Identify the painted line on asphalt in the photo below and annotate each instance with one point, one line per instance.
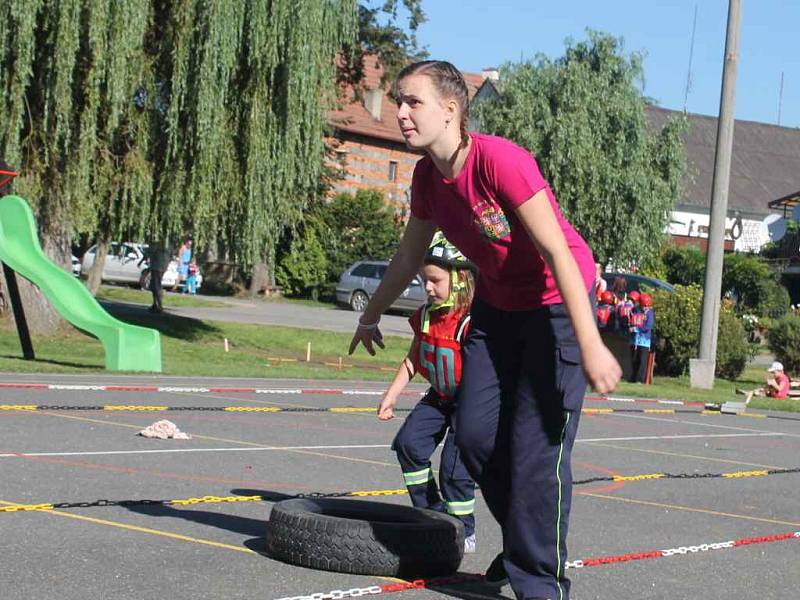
(148, 530)
(361, 446)
(705, 511)
(188, 450)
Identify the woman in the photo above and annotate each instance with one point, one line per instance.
(533, 337)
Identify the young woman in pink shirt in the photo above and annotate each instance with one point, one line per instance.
(533, 343)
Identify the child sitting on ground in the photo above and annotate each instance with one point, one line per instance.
(778, 384)
(439, 328)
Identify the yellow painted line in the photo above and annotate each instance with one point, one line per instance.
(638, 477)
(660, 411)
(690, 509)
(597, 411)
(270, 409)
(351, 409)
(708, 458)
(17, 407)
(148, 530)
(133, 407)
(752, 415)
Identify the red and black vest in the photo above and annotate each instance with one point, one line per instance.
(437, 353)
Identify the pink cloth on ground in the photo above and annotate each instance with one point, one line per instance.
(163, 430)
(476, 212)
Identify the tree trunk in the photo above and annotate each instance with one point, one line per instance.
(41, 317)
(95, 275)
(259, 279)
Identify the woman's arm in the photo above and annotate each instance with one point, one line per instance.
(405, 264)
(404, 374)
(537, 216)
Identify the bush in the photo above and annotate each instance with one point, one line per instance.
(685, 265)
(784, 342)
(304, 267)
(677, 327)
(351, 227)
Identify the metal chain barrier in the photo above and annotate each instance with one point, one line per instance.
(370, 493)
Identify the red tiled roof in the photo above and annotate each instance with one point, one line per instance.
(354, 118)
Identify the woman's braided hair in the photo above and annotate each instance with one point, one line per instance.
(449, 83)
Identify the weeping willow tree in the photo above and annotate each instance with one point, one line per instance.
(68, 123)
(243, 148)
(155, 118)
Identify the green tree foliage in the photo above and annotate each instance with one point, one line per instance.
(159, 117)
(686, 265)
(304, 268)
(746, 278)
(677, 327)
(584, 119)
(784, 342)
(355, 226)
(382, 34)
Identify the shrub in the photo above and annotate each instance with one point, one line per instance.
(677, 327)
(784, 342)
(304, 267)
(685, 265)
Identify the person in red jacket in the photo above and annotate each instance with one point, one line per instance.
(439, 327)
(605, 309)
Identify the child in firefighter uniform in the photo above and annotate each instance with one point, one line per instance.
(439, 328)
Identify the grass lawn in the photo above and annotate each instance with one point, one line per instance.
(133, 296)
(194, 347)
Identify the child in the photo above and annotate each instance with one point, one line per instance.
(605, 309)
(439, 326)
(190, 285)
(778, 384)
(624, 310)
(641, 328)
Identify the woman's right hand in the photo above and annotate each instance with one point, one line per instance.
(367, 334)
(601, 369)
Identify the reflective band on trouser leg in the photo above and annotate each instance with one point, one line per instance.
(459, 509)
(417, 477)
(558, 520)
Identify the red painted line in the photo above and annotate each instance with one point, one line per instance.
(232, 390)
(33, 386)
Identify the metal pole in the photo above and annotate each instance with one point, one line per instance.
(19, 313)
(702, 369)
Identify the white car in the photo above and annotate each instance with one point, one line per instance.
(123, 266)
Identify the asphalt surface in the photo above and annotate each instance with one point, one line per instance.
(214, 550)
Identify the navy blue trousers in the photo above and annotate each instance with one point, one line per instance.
(519, 403)
(425, 427)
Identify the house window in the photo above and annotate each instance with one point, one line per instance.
(392, 170)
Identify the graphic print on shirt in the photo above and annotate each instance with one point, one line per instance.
(438, 365)
(490, 220)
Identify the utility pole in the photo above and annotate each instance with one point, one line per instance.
(701, 370)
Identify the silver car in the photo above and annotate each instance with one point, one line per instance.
(361, 279)
(124, 265)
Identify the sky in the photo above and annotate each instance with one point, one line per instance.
(475, 34)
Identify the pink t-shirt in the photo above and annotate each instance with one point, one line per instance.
(476, 212)
(783, 386)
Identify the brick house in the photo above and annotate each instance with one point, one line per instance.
(367, 144)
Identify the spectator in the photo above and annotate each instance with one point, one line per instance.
(157, 257)
(184, 258)
(778, 384)
(641, 328)
(190, 287)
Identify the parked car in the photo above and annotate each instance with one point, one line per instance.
(361, 279)
(123, 266)
(635, 282)
(76, 266)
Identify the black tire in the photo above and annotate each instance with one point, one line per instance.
(359, 301)
(365, 538)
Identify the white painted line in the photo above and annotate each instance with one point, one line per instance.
(681, 437)
(685, 422)
(179, 450)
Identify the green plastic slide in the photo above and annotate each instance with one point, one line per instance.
(128, 347)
